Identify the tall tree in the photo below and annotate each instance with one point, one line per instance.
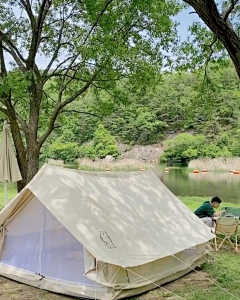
(222, 18)
(92, 43)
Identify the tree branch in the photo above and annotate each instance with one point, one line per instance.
(53, 73)
(61, 105)
(97, 20)
(55, 54)
(47, 96)
(82, 90)
(79, 112)
(2, 61)
(15, 57)
(22, 122)
(13, 49)
(6, 101)
(4, 111)
(27, 6)
(102, 88)
(84, 42)
(59, 44)
(209, 57)
(73, 58)
(229, 9)
(37, 31)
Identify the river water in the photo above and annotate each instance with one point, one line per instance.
(182, 182)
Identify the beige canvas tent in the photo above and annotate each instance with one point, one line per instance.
(99, 235)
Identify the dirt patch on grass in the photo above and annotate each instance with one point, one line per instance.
(199, 280)
(11, 290)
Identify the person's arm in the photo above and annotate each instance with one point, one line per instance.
(218, 213)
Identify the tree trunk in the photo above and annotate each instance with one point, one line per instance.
(208, 12)
(18, 143)
(33, 148)
(32, 162)
(29, 165)
(28, 158)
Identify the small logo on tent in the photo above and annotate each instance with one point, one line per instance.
(106, 240)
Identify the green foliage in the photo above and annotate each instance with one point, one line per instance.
(178, 103)
(94, 44)
(103, 144)
(87, 151)
(200, 47)
(135, 124)
(112, 40)
(186, 147)
(63, 151)
(207, 41)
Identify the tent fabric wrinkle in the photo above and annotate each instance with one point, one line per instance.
(90, 233)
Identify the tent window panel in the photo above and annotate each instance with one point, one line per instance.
(21, 246)
(62, 255)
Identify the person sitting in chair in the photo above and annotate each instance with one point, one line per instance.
(207, 213)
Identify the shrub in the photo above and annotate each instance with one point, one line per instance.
(64, 151)
(86, 151)
(103, 144)
(183, 148)
(186, 147)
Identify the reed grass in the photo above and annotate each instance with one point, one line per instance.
(215, 164)
(118, 165)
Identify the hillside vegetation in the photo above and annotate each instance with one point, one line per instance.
(200, 117)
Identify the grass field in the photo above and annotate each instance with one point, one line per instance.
(12, 191)
(219, 275)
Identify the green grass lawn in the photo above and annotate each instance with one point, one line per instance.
(223, 268)
(225, 271)
(217, 277)
(12, 191)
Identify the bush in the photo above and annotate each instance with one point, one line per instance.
(86, 151)
(64, 151)
(235, 147)
(183, 148)
(186, 147)
(103, 144)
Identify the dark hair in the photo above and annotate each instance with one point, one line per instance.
(216, 199)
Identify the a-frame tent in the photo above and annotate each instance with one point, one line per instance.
(99, 235)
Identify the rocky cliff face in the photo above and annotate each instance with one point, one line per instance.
(148, 153)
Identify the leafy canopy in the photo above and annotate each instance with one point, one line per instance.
(81, 43)
(214, 37)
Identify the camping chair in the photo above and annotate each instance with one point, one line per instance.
(226, 226)
(235, 212)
